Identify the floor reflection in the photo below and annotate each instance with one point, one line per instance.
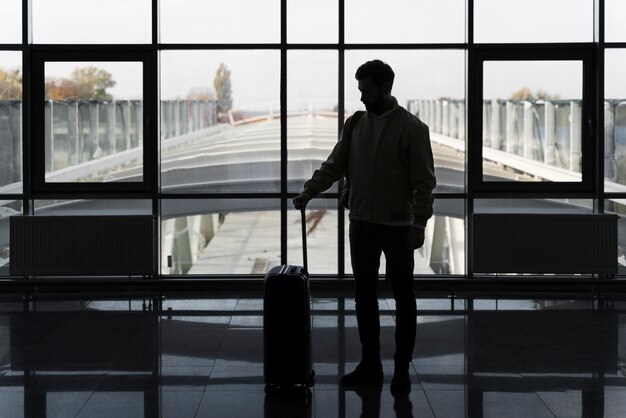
(204, 358)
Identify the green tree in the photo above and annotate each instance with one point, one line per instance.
(223, 89)
(10, 84)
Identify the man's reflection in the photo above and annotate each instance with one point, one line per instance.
(294, 403)
(403, 406)
(370, 402)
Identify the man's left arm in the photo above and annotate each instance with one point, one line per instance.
(423, 182)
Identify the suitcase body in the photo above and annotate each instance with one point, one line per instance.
(287, 329)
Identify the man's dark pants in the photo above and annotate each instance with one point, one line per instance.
(367, 241)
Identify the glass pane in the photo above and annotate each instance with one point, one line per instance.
(211, 21)
(220, 121)
(443, 252)
(219, 236)
(431, 85)
(92, 21)
(94, 122)
(321, 226)
(8, 208)
(615, 121)
(532, 121)
(312, 130)
(11, 27)
(614, 12)
(92, 207)
(312, 22)
(403, 21)
(10, 122)
(618, 206)
(497, 21)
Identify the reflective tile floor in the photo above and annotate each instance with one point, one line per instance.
(204, 358)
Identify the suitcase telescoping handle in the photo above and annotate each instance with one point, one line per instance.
(304, 251)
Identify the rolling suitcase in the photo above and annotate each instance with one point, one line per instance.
(287, 363)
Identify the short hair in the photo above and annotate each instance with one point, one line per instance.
(379, 71)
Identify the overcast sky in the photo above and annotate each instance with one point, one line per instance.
(313, 74)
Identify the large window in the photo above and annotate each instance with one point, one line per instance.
(211, 115)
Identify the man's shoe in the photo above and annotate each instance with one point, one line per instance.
(366, 373)
(401, 381)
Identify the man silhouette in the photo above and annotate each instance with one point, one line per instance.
(387, 160)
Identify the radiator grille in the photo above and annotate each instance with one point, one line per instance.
(540, 243)
(81, 245)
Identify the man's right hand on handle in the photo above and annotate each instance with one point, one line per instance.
(301, 201)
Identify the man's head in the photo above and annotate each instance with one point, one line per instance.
(375, 82)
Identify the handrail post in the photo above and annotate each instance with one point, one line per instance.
(111, 128)
(528, 130)
(461, 120)
(575, 136)
(438, 112)
(511, 134)
(495, 124)
(609, 141)
(549, 155)
(486, 126)
(445, 117)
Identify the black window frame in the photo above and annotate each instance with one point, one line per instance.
(96, 53)
(589, 142)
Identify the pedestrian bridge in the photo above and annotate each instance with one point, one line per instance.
(243, 155)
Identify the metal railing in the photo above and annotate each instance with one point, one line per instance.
(83, 131)
(10, 141)
(80, 131)
(539, 130)
(180, 117)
